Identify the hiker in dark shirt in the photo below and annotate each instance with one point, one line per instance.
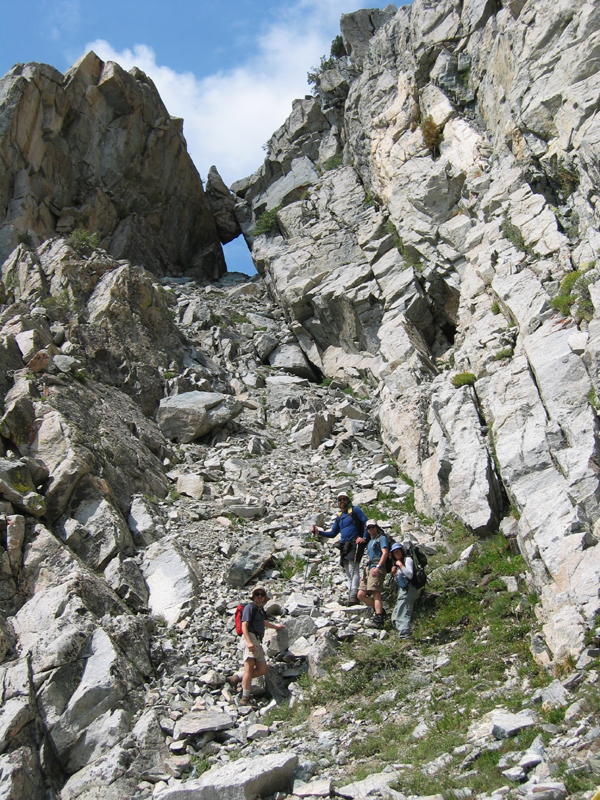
(254, 623)
(350, 522)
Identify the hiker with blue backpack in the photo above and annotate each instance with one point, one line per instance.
(404, 573)
(350, 523)
(371, 584)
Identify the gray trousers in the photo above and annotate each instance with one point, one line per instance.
(352, 570)
(402, 613)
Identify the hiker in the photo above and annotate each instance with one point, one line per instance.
(403, 570)
(350, 522)
(254, 623)
(371, 585)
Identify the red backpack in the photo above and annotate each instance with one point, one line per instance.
(238, 617)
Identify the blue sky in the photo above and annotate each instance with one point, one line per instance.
(231, 69)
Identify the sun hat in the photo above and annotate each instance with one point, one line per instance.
(343, 494)
(396, 546)
(371, 522)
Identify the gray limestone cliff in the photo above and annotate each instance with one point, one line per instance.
(434, 216)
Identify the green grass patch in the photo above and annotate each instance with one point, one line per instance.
(463, 379)
(368, 202)
(379, 666)
(290, 566)
(565, 298)
(496, 307)
(506, 352)
(514, 235)
(410, 257)
(334, 162)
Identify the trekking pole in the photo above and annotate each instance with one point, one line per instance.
(307, 565)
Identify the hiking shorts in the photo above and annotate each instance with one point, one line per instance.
(372, 582)
(258, 653)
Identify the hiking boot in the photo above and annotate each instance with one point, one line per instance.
(353, 600)
(234, 681)
(376, 622)
(248, 701)
(344, 601)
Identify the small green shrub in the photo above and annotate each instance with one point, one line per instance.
(337, 47)
(592, 399)
(496, 307)
(463, 379)
(432, 135)
(565, 298)
(200, 765)
(24, 238)
(82, 241)
(513, 234)
(506, 352)
(267, 223)
(334, 162)
(410, 259)
(368, 202)
(336, 52)
(291, 566)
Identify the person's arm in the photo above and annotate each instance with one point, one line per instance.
(408, 568)
(274, 626)
(384, 552)
(246, 635)
(335, 529)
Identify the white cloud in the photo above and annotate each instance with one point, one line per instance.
(230, 115)
(64, 17)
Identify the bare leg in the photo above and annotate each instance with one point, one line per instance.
(377, 604)
(364, 598)
(249, 669)
(252, 669)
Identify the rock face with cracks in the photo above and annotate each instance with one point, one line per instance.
(96, 149)
(457, 233)
(427, 295)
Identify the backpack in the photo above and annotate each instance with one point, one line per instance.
(238, 617)
(390, 561)
(419, 578)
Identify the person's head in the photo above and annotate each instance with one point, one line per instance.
(372, 528)
(343, 500)
(397, 552)
(259, 595)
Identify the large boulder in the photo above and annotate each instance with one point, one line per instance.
(249, 560)
(261, 775)
(222, 205)
(190, 415)
(172, 581)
